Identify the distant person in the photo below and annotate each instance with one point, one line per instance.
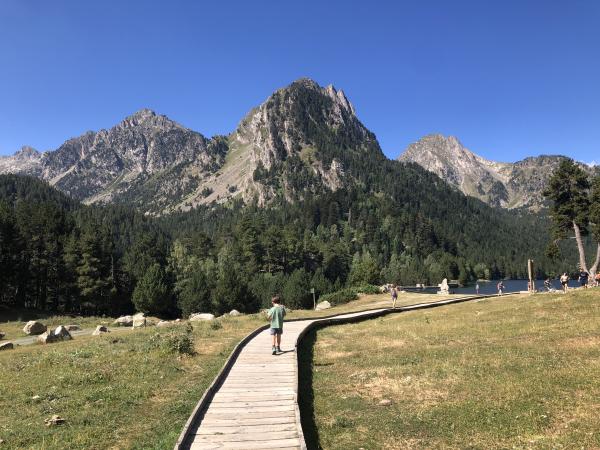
(500, 287)
(394, 296)
(276, 315)
(597, 278)
(583, 278)
(477, 288)
(564, 281)
(548, 285)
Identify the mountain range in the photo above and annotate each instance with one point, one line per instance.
(303, 139)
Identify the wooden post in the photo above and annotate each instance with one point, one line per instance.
(312, 291)
(531, 273)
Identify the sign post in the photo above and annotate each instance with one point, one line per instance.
(530, 272)
(312, 291)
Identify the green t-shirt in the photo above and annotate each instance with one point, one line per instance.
(276, 314)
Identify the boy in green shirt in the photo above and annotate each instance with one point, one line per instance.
(276, 315)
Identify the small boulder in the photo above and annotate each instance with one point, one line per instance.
(34, 327)
(385, 402)
(2, 335)
(100, 329)
(54, 420)
(47, 338)
(323, 305)
(73, 328)
(124, 321)
(201, 316)
(235, 312)
(163, 323)
(62, 334)
(6, 346)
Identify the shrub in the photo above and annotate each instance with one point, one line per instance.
(177, 341)
(348, 294)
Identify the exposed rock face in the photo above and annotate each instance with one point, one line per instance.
(34, 327)
(300, 139)
(26, 161)
(507, 185)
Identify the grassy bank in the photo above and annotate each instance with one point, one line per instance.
(513, 372)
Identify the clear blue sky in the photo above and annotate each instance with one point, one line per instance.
(508, 78)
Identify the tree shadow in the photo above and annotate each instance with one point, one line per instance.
(305, 390)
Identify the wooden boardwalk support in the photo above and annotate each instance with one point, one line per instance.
(253, 402)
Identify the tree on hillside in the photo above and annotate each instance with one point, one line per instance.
(571, 209)
(151, 292)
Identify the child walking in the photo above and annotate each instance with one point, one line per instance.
(276, 315)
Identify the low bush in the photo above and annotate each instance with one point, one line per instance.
(348, 294)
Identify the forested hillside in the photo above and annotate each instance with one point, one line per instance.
(59, 255)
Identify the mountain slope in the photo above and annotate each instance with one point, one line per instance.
(303, 138)
(507, 185)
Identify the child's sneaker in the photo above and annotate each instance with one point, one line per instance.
(274, 351)
(278, 349)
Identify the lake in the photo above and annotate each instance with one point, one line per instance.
(489, 287)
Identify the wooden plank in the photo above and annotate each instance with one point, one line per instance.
(246, 421)
(232, 415)
(241, 429)
(254, 404)
(256, 445)
(246, 437)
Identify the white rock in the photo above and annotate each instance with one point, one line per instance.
(124, 321)
(201, 316)
(2, 335)
(34, 327)
(6, 346)
(47, 337)
(385, 402)
(323, 305)
(61, 333)
(235, 312)
(163, 323)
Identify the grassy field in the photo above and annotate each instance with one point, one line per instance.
(513, 372)
(121, 390)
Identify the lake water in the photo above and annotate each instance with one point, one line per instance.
(489, 287)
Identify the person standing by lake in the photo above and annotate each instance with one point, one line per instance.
(276, 315)
(477, 288)
(500, 287)
(583, 278)
(564, 280)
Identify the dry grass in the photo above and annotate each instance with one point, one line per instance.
(513, 372)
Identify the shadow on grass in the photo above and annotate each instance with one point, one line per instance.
(305, 390)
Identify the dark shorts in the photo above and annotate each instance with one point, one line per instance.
(275, 331)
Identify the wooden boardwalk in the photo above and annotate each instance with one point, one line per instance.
(255, 404)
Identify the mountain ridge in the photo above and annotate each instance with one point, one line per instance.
(500, 184)
(303, 139)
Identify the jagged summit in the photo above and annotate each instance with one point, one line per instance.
(509, 185)
(27, 152)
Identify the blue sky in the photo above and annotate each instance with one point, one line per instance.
(509, 78)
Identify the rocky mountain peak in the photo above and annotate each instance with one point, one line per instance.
(148, 119)
(27, 153)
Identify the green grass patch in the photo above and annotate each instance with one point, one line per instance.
(512, 372)
(132, 389)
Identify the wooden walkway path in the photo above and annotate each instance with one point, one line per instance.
(255, 404)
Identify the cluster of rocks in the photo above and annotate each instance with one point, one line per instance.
(199, 317)
(59, 334)
(135, 321)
